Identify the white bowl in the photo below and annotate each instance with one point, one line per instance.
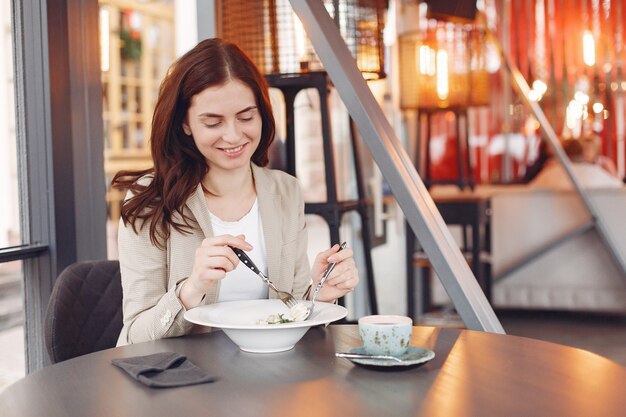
(239, 321)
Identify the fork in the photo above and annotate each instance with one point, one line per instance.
(321, 283)
(285, 297)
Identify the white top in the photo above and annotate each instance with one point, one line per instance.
(241, 283)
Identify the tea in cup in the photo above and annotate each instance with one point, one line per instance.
(385, 334)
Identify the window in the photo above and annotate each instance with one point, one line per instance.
(52, 208)
(12, 362)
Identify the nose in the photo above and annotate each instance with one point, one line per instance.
(232, 133)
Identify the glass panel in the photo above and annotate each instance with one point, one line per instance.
(137, 47)
(9, 209)
(12, 359)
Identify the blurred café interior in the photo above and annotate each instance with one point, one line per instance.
(487, 98)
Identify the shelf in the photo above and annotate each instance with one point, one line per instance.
(131, 86)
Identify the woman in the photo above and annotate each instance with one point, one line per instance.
(208, 192)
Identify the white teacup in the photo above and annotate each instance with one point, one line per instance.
(385, 334)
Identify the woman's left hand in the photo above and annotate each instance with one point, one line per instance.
(341, 280)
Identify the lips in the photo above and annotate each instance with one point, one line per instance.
(234, 151)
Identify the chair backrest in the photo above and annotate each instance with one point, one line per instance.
(84, 313)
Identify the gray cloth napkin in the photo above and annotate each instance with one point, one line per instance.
(163, 370)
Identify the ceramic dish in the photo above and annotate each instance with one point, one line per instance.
(414, 356)
(239, 321)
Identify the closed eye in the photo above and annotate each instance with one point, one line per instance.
(247, 115)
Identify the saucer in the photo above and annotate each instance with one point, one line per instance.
(413, 356)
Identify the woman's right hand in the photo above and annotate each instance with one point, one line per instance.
(213, 259)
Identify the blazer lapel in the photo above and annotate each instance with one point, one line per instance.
(269, 206)
(197, 206)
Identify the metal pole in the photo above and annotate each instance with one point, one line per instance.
(398, 169)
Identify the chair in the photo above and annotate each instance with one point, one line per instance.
(84, 313)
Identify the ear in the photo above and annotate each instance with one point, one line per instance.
(186, 129)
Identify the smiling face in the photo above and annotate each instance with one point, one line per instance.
(225, 124)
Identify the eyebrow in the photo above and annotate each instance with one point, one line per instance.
(247, 109)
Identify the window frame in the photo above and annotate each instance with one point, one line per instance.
(59, 149)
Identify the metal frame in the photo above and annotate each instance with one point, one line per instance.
(333, 209)
(59, 138)
(32, 127)
(522, 87)
(398, 169)
(16, 253)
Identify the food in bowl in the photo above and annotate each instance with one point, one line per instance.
(299, 312)
(276, 319)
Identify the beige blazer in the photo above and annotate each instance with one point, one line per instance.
(151, 276)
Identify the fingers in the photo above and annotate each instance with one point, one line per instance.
(238, 241)
(217, 257)
(333, 255)
(340, 282)
(202, 282)
(217, 250)
(344, 276)
(340, 256)
(214, 258)
(328, 253)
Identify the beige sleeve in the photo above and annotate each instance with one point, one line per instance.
(151, 307)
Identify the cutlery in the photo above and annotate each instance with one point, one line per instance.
(321, 283)
(366, 356)
(285, 297)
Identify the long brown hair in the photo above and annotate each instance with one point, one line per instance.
(178, 165)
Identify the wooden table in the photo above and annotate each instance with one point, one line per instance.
(473, 374)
